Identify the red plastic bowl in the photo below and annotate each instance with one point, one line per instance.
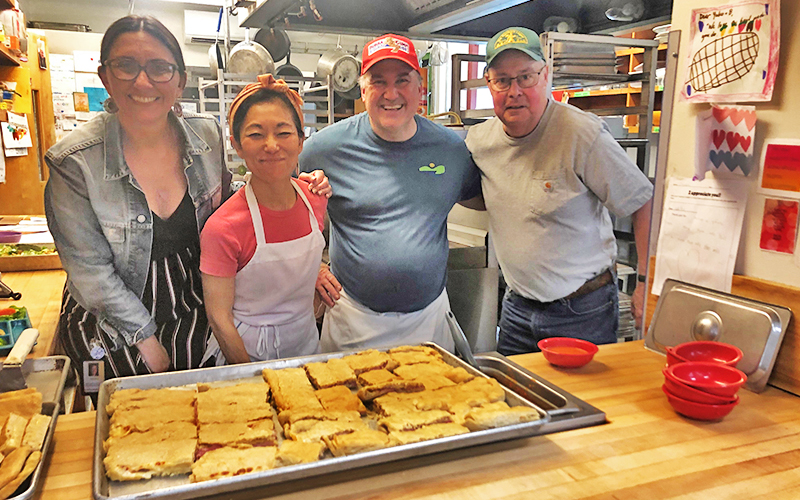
(698, 411)
(567, 352)
(673, 358)
(689, 393)
(704, 350)
(707, 376)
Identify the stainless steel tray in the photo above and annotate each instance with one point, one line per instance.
(565, 410)
(181, 488)
(48, 375)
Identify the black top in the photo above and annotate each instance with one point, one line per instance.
(174, 264)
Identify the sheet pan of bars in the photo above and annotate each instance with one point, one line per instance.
(230, 428)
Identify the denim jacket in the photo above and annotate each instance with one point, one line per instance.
(102, 225)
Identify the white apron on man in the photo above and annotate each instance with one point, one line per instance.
(351, 325)
(274, 293)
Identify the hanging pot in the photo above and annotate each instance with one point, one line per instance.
(216, 60)
(248, 57)
(275, 40)
(344, 68)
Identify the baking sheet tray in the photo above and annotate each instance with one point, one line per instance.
(48, 375)
(181, 488)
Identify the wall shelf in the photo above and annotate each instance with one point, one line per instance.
(7, 58)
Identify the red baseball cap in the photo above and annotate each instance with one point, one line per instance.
(389, 47)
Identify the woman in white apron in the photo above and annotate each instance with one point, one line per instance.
(261, 251)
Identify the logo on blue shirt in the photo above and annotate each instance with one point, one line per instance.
(432, 167)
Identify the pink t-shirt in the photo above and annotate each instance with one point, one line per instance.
(228, 240)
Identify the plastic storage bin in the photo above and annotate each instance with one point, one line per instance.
(12, 328)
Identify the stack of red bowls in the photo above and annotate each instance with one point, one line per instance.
(701, 379)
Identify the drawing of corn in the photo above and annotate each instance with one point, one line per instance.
(722, 61)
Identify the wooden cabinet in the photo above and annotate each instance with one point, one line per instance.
(26, 176)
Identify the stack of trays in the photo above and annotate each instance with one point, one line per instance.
(573, 58)
(627, 325)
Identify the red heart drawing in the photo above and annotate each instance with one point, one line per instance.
(750, 119)
(736, 115)
(732, 140)
(745, 143)
(718, 136)
(758, 24)
(721, 113)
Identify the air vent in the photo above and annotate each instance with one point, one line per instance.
(419, 7)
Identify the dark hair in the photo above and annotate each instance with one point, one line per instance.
(151, 26)
(263, 95)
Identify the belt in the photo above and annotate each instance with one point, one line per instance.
(593, 284)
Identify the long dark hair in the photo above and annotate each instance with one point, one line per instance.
(263, 95)
(151, 26)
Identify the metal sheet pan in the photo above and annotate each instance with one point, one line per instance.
(48, 375)
(181, 488)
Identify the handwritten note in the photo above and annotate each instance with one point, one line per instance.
(733, 52)
(699, 236)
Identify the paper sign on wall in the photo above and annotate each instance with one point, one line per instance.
(779, 225)
(16, 134)
(733, 52)
(700, 228)
(780, 168)
(725, 136)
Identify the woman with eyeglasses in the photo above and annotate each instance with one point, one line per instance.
(128, 194)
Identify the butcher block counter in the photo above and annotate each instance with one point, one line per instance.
(646, 451)
(41, 295)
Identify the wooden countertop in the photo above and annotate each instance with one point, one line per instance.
(41, 295)
(646, 451)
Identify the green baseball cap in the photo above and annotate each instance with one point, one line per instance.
(515, 37)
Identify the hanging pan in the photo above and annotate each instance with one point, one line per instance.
(216, 61)
(289, 72)
(275, 40)
(249, 57)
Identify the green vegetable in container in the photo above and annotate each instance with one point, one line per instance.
(13, 312)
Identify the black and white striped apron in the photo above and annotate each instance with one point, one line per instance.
(173, 294)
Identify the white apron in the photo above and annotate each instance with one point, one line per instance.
(351, 325)
(274, 293)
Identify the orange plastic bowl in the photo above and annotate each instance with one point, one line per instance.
(714, 378)
(689, 393)
(703, 350)
(567, 352)
(698, 411)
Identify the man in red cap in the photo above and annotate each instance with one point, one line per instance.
(395, 176)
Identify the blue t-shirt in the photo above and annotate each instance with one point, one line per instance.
(388, 212)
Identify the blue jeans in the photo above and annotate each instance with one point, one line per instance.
(524, 322)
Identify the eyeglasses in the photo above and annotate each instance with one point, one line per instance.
(128, 70)
(524, 80)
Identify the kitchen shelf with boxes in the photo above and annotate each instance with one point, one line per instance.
(13, 29)
(601, 74)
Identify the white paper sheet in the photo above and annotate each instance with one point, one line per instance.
(700, 228)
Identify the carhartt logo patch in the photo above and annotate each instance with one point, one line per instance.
(509, 37)
(432, 167)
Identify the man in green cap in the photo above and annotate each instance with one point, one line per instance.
(551, 174)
